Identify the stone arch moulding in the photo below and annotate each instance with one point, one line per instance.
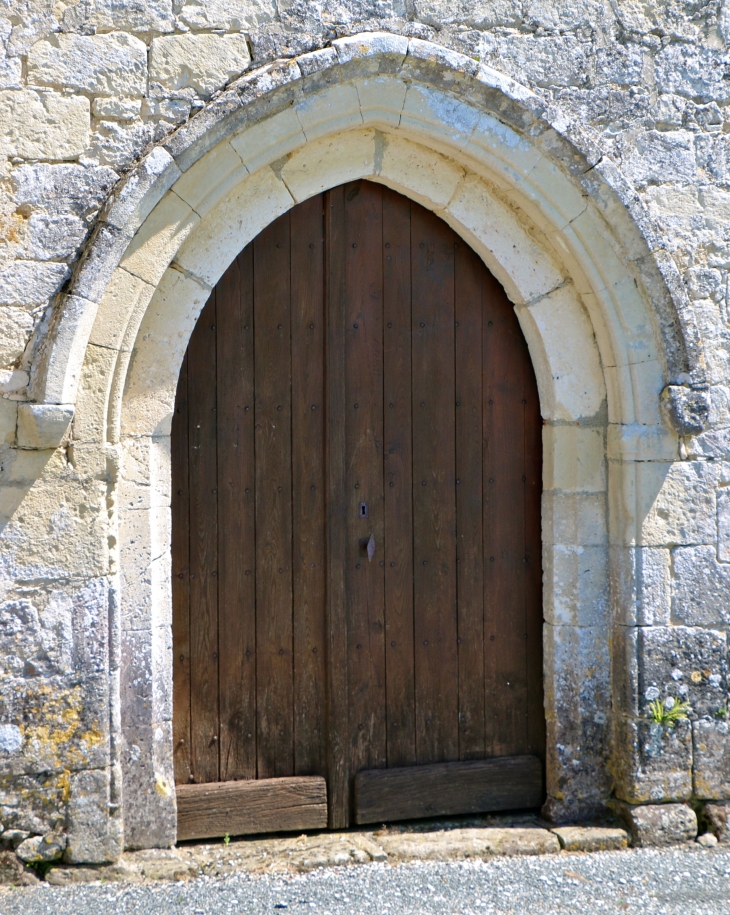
(600, 302)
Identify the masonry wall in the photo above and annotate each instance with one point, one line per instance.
(88, 88)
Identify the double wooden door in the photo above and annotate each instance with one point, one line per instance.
(356, 461)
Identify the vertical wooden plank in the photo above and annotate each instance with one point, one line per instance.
(272, 336)
(181, 582)
(533, 567)
(308, 485)
(203, 480)
(364, 579)
(469, 279)
(504, 525)
(337, 730)
(236, 519)
(434, 511)
(398, 484)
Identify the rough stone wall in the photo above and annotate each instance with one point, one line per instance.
(85, 90)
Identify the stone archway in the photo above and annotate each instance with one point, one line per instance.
(598, 301)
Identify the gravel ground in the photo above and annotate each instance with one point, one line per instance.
(648, 881)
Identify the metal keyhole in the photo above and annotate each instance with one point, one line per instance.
(363, 509)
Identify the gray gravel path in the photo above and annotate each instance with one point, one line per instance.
(646, 881)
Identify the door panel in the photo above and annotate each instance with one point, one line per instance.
(357, 376)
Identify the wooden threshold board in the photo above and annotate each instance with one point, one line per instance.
(443, 789)
(246, 807)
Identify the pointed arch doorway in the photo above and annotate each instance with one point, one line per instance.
(356, 469)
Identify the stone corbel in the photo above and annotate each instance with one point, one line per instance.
(686, 409)
(43, 426)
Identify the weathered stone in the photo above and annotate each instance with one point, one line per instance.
(470, 843)
(653, 761)
(657, 157)
(43, 125)
(16, 325)
(42, 848)
(230, 15)
(711, 755)
(51, 237)
(118, 143)
(661, 824)
(94, 836)
(700, 585)
(13, 873)
(202, 63)
(541, 61)
(29, 283)
(590, 838)
(685, 409)
(723, 525)
(131, 15)
(707, 840)
(716, 817)
(42, 426)
(684, 663)
(62, 189)
(697, 73)
(109, 64)
(119, 109)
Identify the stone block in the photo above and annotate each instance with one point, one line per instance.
(117, 109)
(655, 157)
(711, 757)
(119, 143)
(542, 61)
(574, 519)
(330, 162)
(125, 298)
(109, 64)
(653, 761)
(430, 178)
(576, 585)
(684, 663)
(105, 15)
(446, 120)
(232, 224)
(469, 843)
(8, 421)
(381, 100)
(330, 112)
(641, 585)
(43, 426)
(374, 51)
(590, 838)
(54, 237)
(574, 458)
(692, 72)
(16, 325)
(202, 63)
(150, 813)
(94, 835)
(153, 248)
(43, 125)
(675, 503)
(13, 873)
(660, 824)
(230, 15)
(62, 189)
(723, 525)
(571, 384)
(135, 198)
(29, 283)
(700, 587)
(42, 848)
(523, 268)
(266, 141)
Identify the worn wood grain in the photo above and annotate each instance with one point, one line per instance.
(247, 807)
(203, 548)
(476, 786)
(236, 519)
(398, 480)
(308, 486)
(338, 773)
(364, 578)
(272, 333)
(434, 505)
(469, 275)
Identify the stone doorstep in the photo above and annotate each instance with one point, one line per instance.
(308, 852)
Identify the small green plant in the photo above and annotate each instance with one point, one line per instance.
(722, 712)
(226, 840)
(668, 715)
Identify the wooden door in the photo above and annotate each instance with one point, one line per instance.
(356, 530)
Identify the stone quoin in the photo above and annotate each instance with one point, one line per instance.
(580, 149)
